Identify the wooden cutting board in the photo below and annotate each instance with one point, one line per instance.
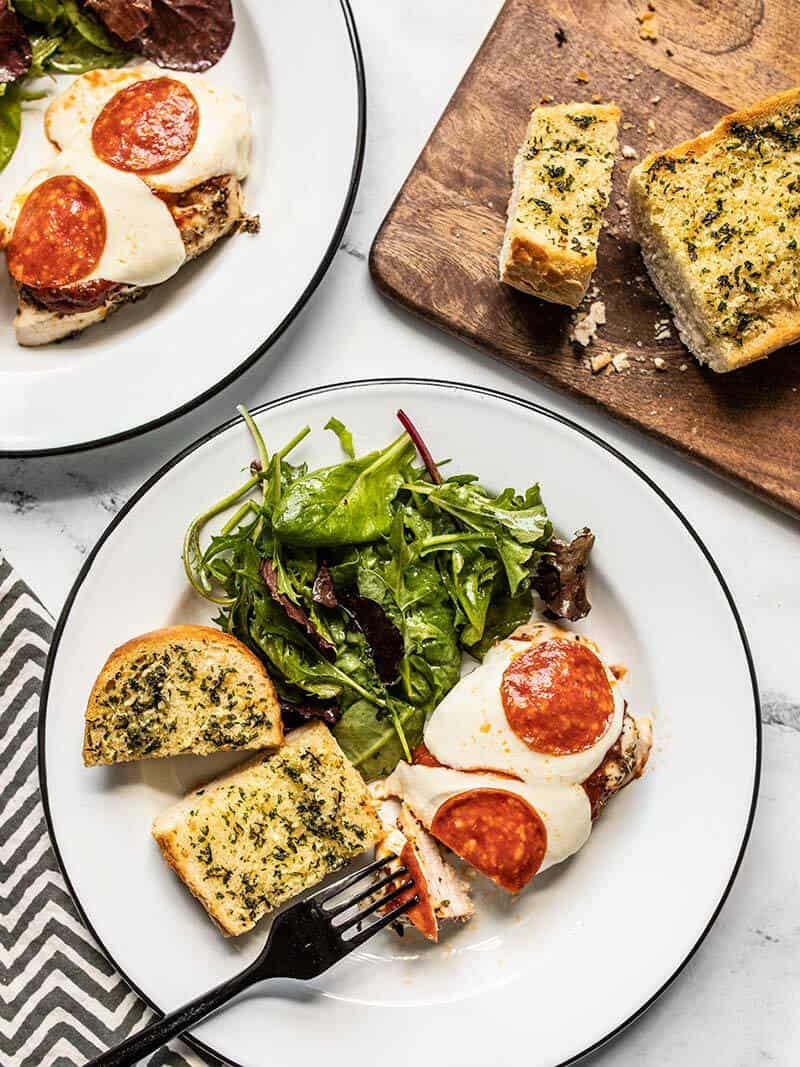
(436, 252)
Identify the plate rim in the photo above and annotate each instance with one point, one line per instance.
(498, 394)
(292, 314)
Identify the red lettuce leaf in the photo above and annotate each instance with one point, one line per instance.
(188, 34)
(296, 713)
(561, 578)
(384, 639)
(421, 447)
(125, 18)
(15, 48)
(294, 611)
(323, 591)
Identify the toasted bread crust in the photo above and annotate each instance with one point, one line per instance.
(550, 273)
(195, 710)
(531, 259)
(261, 876)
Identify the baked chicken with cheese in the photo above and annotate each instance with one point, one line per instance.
(147, 177)
(520, 757)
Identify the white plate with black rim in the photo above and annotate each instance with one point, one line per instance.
(586, 947)
(298, 67)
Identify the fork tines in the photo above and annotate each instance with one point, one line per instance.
(377, 903)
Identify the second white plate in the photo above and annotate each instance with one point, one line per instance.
(298, 67)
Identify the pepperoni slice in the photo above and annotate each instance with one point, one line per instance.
(59, 236)
(85, 296)
(421, 915)
(422, 755)
(147, 127)
(497, 833)
(557, 698)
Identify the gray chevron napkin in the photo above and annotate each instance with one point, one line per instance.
(61, 1002)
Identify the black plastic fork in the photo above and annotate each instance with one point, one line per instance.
(304, 941)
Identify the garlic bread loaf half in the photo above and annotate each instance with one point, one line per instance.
(718, 222)
(183, 689)
(562, 184)
(266, 831)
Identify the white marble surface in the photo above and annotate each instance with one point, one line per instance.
(738, 1002)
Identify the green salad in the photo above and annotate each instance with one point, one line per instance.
(362, 584)
(45, 37)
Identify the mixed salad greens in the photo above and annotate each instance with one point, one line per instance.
(47, 37)
(361, 584)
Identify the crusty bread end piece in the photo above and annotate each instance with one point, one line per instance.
(177, 690)
(718, 222)
(204, 215)
(268, 830)
(562, 183)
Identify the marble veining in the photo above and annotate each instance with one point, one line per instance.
(738, 1000)
(780, 711)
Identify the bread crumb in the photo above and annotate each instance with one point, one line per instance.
(547, 99)
(600, 362)
(629, 77)
(627, 125)
(655, 99)
(621, 362)
(582, 76)
(683, 366)
(660, 364)
(648, 26)
(651, 128)
(584, 326)
(629, 152)
(597, 98)
(662, 330)
(620, 204)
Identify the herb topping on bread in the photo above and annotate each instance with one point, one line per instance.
(266, 831)
(181, 689)
(562, 182)
(718, 221)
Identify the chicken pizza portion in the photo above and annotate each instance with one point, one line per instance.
(147, 177)
(521, 757)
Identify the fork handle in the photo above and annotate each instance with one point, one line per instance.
(136, 1047)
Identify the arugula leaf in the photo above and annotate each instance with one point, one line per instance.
(10, 123)
(77, 55)
(373, 744)
(505, 614)
(42, 48)
(344, 435)
(470, 578)
(45, 11)
(88, 27)
(348, 504)
(516, 527)
(409, 589)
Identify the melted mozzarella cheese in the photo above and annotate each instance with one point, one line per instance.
(223, 138)
(143, 244)
(469, 730)
(564, 809)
